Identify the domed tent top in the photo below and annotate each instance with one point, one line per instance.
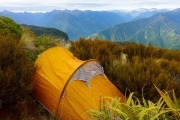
(60, 61)
(55, 69)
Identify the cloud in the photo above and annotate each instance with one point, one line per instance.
(47, 5)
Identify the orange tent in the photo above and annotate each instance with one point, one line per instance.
(68, 87)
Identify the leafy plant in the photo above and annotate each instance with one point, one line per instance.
(172, 103)
(132, 110)
(166, 108)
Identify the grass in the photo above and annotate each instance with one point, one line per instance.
(166, 108)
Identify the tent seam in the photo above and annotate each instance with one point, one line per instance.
(66, 84)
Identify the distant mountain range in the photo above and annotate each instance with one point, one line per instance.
(145, 13)
(78, 23)
(162, 30)
(47, 31)
(75, 23)
(158, 27)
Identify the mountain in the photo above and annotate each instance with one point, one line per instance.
(162, 30)
(139, 13)
(75, 23)
(46, 31)
(145, 13)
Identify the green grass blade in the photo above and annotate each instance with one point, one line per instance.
(129, 100)
(161, 113)
(167, 99)
(176, 101)
(123, 114)
(144, 112)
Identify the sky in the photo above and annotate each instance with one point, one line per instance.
(49, 5)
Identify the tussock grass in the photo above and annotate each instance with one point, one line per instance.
(165, 108)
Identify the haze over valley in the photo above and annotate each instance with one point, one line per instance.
(156, 26)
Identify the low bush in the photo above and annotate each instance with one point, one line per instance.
(104, 51)
(44, 42)
(143, 74)
(15, 75)
(140, 68)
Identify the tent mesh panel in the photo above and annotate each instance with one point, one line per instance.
(87, 72)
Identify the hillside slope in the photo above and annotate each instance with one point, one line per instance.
(47, 31)
(162, 30)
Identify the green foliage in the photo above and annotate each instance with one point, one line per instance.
(143, 67)
(34, 45)
(163, 109)
(44, 42)
(28, 40)
(9, 28)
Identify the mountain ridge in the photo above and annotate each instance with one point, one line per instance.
(162, 30)
(75, 23)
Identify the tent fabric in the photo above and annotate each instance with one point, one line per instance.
(58, 72)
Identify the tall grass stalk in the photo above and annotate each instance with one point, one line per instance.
(134, 109)
(171, 102)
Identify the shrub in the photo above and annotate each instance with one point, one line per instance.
(15, 73)
(144, 73)
(44, 42)
(143, 51)
(150, 52)
(9, 28)
(104, 51)
(144, 67)
(28, 41)
(34, 45)
(172, 55)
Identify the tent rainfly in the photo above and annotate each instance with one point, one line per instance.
(68, 87)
